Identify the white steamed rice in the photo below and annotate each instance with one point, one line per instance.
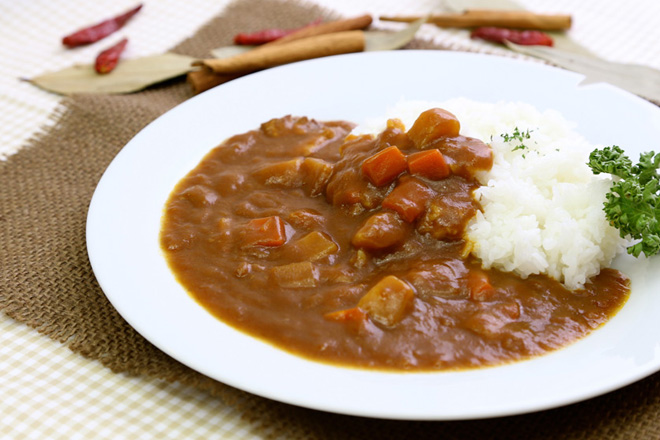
(542, 205)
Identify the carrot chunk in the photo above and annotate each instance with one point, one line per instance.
(428, 163)
(433, 124)
(388, 301)
(266, 231)
(408, 198)
(479, 286)
(353, 314)
(383, 167)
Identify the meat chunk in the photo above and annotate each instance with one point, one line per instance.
(408, 198)
(489, 323)
(306, 219)
(464, 155)
(442, 278)
(446, 217)
(388, 301)
(382, 230)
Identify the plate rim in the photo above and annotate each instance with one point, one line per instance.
(95, 259)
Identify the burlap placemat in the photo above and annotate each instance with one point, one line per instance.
(46, 280)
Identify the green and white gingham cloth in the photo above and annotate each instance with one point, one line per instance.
(47, 391)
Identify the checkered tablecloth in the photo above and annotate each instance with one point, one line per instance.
(47, 391)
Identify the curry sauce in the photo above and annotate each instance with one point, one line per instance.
(350, 249)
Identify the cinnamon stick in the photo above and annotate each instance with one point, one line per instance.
(204, 79)
(297, 50)
(506, 19)
(348, 24)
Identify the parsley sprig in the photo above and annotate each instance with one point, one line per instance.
(633, 203)
(516, 137)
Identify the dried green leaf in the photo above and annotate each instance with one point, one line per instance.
(377, 40)
(640, 80)
(230, 51)
(129, 76)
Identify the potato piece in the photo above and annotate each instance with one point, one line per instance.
(314, 246)
(315, 175)
(294, 275)
(381, 231)
(286, 174)
(388, 301)
(432, 124)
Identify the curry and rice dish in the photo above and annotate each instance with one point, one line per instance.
(381, 250)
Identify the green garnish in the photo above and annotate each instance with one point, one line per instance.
(633, 203)
(517, 135)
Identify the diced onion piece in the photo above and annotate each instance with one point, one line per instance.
(388, 301)
(432, 124)
(383, 167)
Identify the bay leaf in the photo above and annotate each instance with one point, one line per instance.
(638, 79)
(379, 40)
(129, 76)
(230, 51)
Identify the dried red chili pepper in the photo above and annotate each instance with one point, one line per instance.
(267, 35)
(101, 30)
(107, 60)
(524, 38)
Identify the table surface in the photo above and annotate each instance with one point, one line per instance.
(50, 392)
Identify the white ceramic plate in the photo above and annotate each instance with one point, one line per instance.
(125, 214)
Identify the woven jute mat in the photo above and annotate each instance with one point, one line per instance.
(46, 280)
